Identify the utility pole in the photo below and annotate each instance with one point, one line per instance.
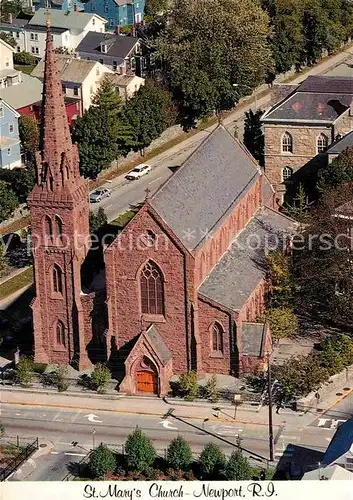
(270, 422)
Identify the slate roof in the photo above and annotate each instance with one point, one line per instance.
(43, 29)
(253, 337)
(243, 266)
(280, 91)
(327, 85)
(339, 146)
(16, 23)
(119, 46)
(23, 94)
(194, 201)
(158, 344)
(71, 69)
(63, 19)
(341, 443)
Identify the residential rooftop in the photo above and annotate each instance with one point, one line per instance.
(118, 46)
(64, 19)
(71, 69)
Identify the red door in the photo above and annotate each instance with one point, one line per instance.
(146, 382)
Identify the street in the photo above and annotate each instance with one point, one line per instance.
(70, 431)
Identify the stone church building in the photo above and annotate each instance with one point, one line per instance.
(182, 285)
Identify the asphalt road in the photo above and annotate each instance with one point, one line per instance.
(62, 427)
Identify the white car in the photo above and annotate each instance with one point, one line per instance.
(98, 195)
(138, 172)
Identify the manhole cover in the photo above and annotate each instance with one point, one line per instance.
(43, 445)
(339, 394)
(319, 410)
(346, 388)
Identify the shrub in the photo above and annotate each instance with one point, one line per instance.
(179, 454)
(126, 30)
(212, 460)
(212, 389)
(238, 468)
(2, 429)
(25, 370)
(62, 381)
(24, 58)
(139, 451)
(283, 322)
(100, 377)
(188, 385)
(102, 461)
(39, 367)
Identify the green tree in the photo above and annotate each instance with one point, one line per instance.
(212, 461)
(179, 455)
(338, 172)
(62, 380)
(253, 136)
(207, 47)
(101, 376)
(212, 389)
(102, 460)
(9, 7)
(139, 451)
(29, 133)
(97, 220)
(20, 180)
(283, 322)
(8, 201)
(8, 39)
(155, 7)
(238, 468)
(280, 278)
(3, 259)
(25, 59)
(148, 113)
(299, 208)
(25, 370)
(188, 385)
(2, 430)
(100, 133)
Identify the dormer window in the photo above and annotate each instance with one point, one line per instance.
(103, 48)
(93, 21)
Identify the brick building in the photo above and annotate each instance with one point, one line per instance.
(302, 123)
(182, 285)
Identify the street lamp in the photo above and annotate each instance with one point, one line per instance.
(250, 88)
(270, 423)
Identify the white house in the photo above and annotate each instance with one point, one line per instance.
(68, 29)
(80, 78)
(8, 75)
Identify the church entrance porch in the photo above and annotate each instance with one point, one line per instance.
(146, 377)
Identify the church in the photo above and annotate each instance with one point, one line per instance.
(183, 284)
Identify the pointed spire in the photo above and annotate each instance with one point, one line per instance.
(59, 160)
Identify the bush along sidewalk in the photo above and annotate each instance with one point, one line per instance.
(139, 460)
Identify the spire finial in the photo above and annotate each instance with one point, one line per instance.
(47, 14)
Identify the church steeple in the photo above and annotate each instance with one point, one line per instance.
(57, 162)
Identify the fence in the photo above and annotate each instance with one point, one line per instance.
(18, 459)
(78, 466)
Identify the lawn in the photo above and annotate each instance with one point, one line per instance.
(24, 69)
(123, 219)
(16, 283)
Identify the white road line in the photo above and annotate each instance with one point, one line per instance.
(54, 452)
(158, 178)
(78, 413)
(108, 206)
(75, 454)
(285, 436)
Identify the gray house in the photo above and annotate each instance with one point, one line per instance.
(120, 53)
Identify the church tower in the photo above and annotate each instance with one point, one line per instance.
(59, 214)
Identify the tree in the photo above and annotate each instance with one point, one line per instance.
(25, 370)
(97, 220)
(29, 133)
(8, 201)
(62, 381)
(253, 136)
(338, 172)
(212, 461)
(283, 322)
(2, 430)
(8, 39)
(148, 113)
(139, 451)
(209, 46)
(63, 50)
(100, 133)
(179, 455)
(155, 7)
(212, 389)
(188, 385)
(238, 468)
(101, 377)
(280, 278)
(9, 8)
(3, 259)
(102, 460)
(21, 181)
(25, 59)
(300, 205)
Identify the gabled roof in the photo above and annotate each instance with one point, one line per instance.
(158, 344)
(64, 19)
(341, 443)
(6, 45)
(117, 45)
(319, 99)
(338, 147)
(233, 279)
(4, 103)
(23, 94)
(71, 69)
(194, 201)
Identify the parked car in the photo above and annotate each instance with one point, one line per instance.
(98, 195)
(138, 172)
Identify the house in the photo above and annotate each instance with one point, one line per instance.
(126, 85)
(340, 144)
(303, 124)
(8, 75)
(80, 78)
(64, 5)
(117, 52)
(340, 449)
(68, 29)
(191, 261)
(332, 472)
(10, 151)
(117, 12)
(16, 28)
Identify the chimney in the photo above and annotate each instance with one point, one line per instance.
(75, 7)
(10, 18)
(117, 30)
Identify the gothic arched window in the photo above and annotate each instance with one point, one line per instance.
(60, 333)
(151, 288)
(48, 226)
(217, 337)
(287, 143)
(287, 173)
(322, 143)
(57, 279)
(58, 226)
